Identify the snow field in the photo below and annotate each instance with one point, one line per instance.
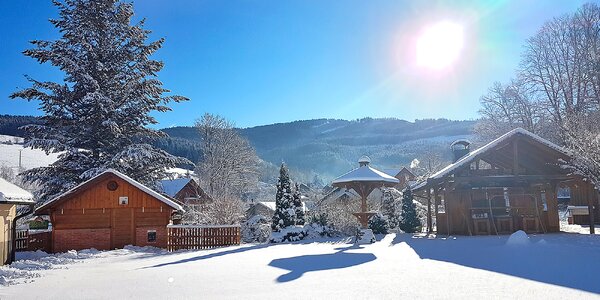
(396, 266)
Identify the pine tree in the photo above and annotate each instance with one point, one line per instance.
(285, 213)
(388, 209)
(299, 210)
(409, 221)
(98, 115)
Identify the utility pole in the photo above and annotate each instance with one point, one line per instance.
(20, 159)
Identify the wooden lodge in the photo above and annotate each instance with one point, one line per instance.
(109, 211)
(507, 185)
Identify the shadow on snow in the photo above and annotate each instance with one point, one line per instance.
(299, 265)
(566, 260)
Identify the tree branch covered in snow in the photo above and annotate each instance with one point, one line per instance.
(98, 115)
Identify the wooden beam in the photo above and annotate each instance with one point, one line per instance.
(516, 156)
(429, 220)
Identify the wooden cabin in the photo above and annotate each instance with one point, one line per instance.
(507, 185)
(10, 196)
(109, 211)
(404, 176)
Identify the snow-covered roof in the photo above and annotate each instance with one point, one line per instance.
(10, 193)
(130, 180)
(391, 172)
(365, 173)
(467, 159)
(268, 204)
(172, 186)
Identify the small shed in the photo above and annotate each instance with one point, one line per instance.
(10, 196)
(109, 211)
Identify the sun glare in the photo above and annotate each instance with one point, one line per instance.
(439, 45)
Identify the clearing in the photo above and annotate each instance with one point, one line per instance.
(397, 266)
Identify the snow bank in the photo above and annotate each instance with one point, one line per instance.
(518, 238)
(28, 264)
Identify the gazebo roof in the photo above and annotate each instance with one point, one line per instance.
(365, 173)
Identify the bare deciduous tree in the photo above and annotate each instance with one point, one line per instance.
(229, 165)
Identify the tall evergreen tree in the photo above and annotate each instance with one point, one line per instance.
(388, 209)
(285, 214)
(98, 115)
(299, 210)
(409, 221)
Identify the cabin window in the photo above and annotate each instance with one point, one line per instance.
(151, 236)
(112, 185)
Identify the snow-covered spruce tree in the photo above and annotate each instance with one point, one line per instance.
(388, 208)
(409, 221)
(299, 211)
(98, 115)
(285, 213)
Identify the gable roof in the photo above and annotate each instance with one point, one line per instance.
(173, 186)
(128, 179)
(10, 193)
(470, 157)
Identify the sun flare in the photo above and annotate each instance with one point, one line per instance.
(440, 45)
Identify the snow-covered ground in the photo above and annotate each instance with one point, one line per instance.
(551, 266)
(31, 158)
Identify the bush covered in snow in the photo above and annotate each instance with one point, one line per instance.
(379, 224)
(256, 229)
(306, 232)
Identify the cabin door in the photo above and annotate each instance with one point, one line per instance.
(122, 228)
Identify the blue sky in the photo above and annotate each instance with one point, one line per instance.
(262, 62)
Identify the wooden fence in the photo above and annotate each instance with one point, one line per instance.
(202, 237)
(32, 241)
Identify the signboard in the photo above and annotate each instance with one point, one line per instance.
(124, 200)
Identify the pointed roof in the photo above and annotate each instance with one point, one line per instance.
(171, 187)
(471, 156)
(365, 173)
(10, 193)
(126, 178)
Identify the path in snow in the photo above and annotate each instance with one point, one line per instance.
(550, 266)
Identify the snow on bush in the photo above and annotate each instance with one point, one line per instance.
(306, 232)
(518, 238)
(256, 229)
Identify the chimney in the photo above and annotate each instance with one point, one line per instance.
(364, 161)
(460, 148)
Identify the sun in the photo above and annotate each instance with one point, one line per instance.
(439, 45)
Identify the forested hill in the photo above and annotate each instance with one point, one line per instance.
(330, 147)
(326, 147)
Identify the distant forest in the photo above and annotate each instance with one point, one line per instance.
(324, 147)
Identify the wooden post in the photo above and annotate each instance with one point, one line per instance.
(516, 157)
(429, 220)
(592, 197)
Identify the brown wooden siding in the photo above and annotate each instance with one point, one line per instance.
(97, 208)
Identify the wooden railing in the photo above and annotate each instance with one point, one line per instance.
(196, 237)
(33, 241)
(21, 240)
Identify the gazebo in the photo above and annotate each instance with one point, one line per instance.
(364, 180)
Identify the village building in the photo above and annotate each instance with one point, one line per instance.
(262, 208)
(404, 176)
(10, 196)
(109, 211)
(185, 190)
(507, 185)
